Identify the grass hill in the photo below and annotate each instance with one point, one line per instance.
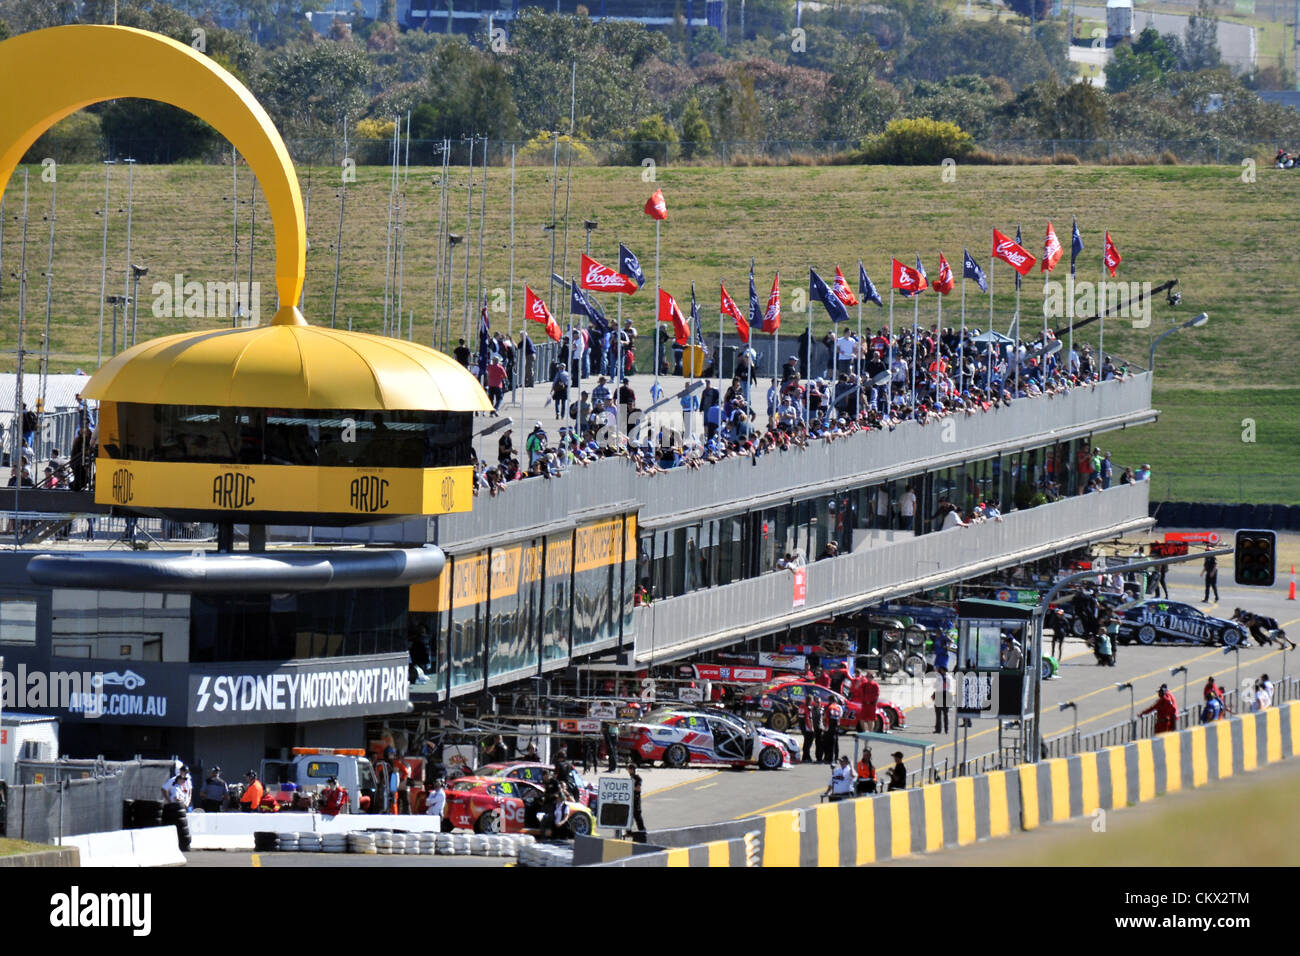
(1223, 237)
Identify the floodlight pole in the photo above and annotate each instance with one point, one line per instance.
(1174, 672)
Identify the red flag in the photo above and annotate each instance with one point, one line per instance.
(536, 310)
(943, 282)
(772, 317)
(842, 290)
(604, 279)
(1052, 250)
(1012, 253)
(728, 307)
(1111, 256)
(655, 207)
(668, 312)
(906, 279)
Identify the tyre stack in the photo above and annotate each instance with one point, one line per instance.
(146, 813)
(265, 841)
(364, 842)
(287, 842)
(334, 842)
(452, 844)
(383, 842)
(426, 843)
(173, 814)
(309, 841)
(546, 854)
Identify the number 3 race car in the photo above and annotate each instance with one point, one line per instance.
(496, 805)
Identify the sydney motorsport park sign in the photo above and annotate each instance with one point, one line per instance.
(238, 692)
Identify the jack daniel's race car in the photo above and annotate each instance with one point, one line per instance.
(1155, 620)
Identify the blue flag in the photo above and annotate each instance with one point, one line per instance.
(695, 321)
(867, 288)
(970, 269)
(818, 289)
(755, 311)
(581, 305)
(1076, 244)
(629, 265)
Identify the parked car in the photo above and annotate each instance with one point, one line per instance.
(1157, 620)
(684, 738)
(497, 805)
(778, 704)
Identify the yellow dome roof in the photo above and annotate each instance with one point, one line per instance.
(286, 365)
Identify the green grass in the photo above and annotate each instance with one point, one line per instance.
(1222, 238)
(14, 847)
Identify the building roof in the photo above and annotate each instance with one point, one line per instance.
(60, 390)
(285, 365)
(19, 717)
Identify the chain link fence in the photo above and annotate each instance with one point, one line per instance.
(1254, 488)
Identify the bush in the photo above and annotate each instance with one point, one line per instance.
(917, 142)
(540, 150)
(652, 138)
(75, 139)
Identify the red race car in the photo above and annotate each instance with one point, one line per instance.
(497, 805)
(533, 773)
(779, 704)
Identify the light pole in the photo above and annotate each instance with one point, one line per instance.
(1074, 735)
(1174, 672)
(1235, 651)
(115, 301)
(1132, 706)
(137, 273)
(1195, 322)
(591, 225)
(453, 239)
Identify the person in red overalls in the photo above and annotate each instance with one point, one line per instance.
(1166, 711)
(335, 798)
(870, 696)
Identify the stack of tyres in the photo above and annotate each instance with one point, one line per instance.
(334, 842)
(287, 843)
(309, 841)
(173, 814)
(265, 841)
(363, 843)
(146, 813)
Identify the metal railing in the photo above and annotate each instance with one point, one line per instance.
(765, 604)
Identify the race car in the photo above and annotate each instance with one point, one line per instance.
(778, 704)
(788, 742)
(498, 805)
(1157, 620)
(533, 773)
(683, 738)
(1064, 604)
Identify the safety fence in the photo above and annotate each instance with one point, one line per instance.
(1213, 514)
(47, 812)
(744, 850)
(965, 810)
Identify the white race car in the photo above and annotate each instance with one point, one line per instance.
(683, 737)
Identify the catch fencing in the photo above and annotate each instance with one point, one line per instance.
(47, 812)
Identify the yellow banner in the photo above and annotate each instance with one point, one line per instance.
(283, 488)
(598, 545)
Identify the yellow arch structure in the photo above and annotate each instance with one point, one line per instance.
(50, 74)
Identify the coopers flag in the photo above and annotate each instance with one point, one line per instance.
(772, 316)
(842, 290)
(630, 266)
(1111, 257)
(1052, 250)
(728, 307)
(668, 312)
(818, 289)
(1013, 254)
(944, 281)
(906, 280)
(600, 278)
(536, 310)
(655, 207)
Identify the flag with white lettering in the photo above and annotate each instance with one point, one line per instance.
(772, 315)
(630, 266)
(669, 312)
(970, 269)
(1012, 253)
(599, 278)
(818, 289)
(1052, 250)
(728, 307)
(1111, 256)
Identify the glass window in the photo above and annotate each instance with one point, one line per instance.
(119, 625)
(468, 606)
(508, 639)
(289, 436)
(557, 590)
(18, 621)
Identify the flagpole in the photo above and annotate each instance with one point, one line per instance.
(889, 355)
(961, 342)
(1101, 312)
(916, 315)
(618, 340)
(521, 356)
(1015, 344)
(656, 306)
(717, 359)
(988, 372)
(1074, 228)
(807, 392)
(857, 350)
(938, 332)
(510, 305)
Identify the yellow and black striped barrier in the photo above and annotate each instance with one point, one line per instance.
(737, 851)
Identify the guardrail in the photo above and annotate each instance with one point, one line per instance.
(739, 484)
(765, 604)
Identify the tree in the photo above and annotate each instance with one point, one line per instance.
(917, 142)
(985, 49)
(468, 94)
(697, 138)
(317, 86)
(857, 102)
(652, 138)
(154, 132)
(1148, 59)
(968, 101)
(1201, 51)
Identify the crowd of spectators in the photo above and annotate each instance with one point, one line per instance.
(855, 390)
